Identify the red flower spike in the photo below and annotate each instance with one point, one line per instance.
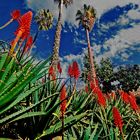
(132, 95)
(63, 95)
(113, 95)
(70, 73)
(133, 102)
(12, 42)
(28, 43)
(86, 89)
(24, 24)
(59, 67)
(15, 14)
(53, 77)
(97, 82)
(51, 71)
(75, 70)
(124, 96)
(60, 70)
(117, 118)
(93, 87)
(101, 98)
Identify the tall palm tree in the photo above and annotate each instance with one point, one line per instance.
(86, 18)
(44, 19)
(56, 45)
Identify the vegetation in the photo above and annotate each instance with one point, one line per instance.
(56, 46)
(36, 103)
(125, 77)
(86, 19)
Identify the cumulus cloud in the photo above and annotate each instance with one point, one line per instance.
(114, 47)
(101, 6)
(134, 14)
(124, 39)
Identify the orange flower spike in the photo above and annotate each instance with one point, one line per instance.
(59, 67)
(133, 103)
(28, 44)
(51, 71)
(63, 104)
(117, 118)
(53, 77)
(124, 96)
(15, 14)
(132, 95)
(93, 87)
(23, 30)
(70, 73)
(113, 95)
(75, 70)
(86, 89)
(101, 98)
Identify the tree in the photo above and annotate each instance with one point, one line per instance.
(44, 19)
(56, 45)
(106, 75)
(104, 72)
(86, 18)
(129, 77)
(86, 68)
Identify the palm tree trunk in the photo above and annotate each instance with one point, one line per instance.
(92, 67)
(55, 57)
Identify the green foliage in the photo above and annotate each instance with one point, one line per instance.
(29, 104)
(129, 77)
(104, 72)
(86, 17)
(44, 19)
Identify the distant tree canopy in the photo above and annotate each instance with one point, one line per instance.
(127, 77)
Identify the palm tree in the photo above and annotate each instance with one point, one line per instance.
(44, 19)
(56, 45)
(86, 18)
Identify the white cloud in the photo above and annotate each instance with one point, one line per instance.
(131, 35)
(134, 14)
(122, 41)
(69, 14)
(117, 46)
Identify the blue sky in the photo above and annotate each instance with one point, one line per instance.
(116, 33)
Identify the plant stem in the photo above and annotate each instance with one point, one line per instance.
(62, 125)
(6, 24)
(122, 135)
(15, 42)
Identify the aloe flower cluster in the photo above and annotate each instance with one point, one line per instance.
(117, 118)
(63, 100)
(73, 70)
(129, 98)
(15, 14)
(23, 30)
